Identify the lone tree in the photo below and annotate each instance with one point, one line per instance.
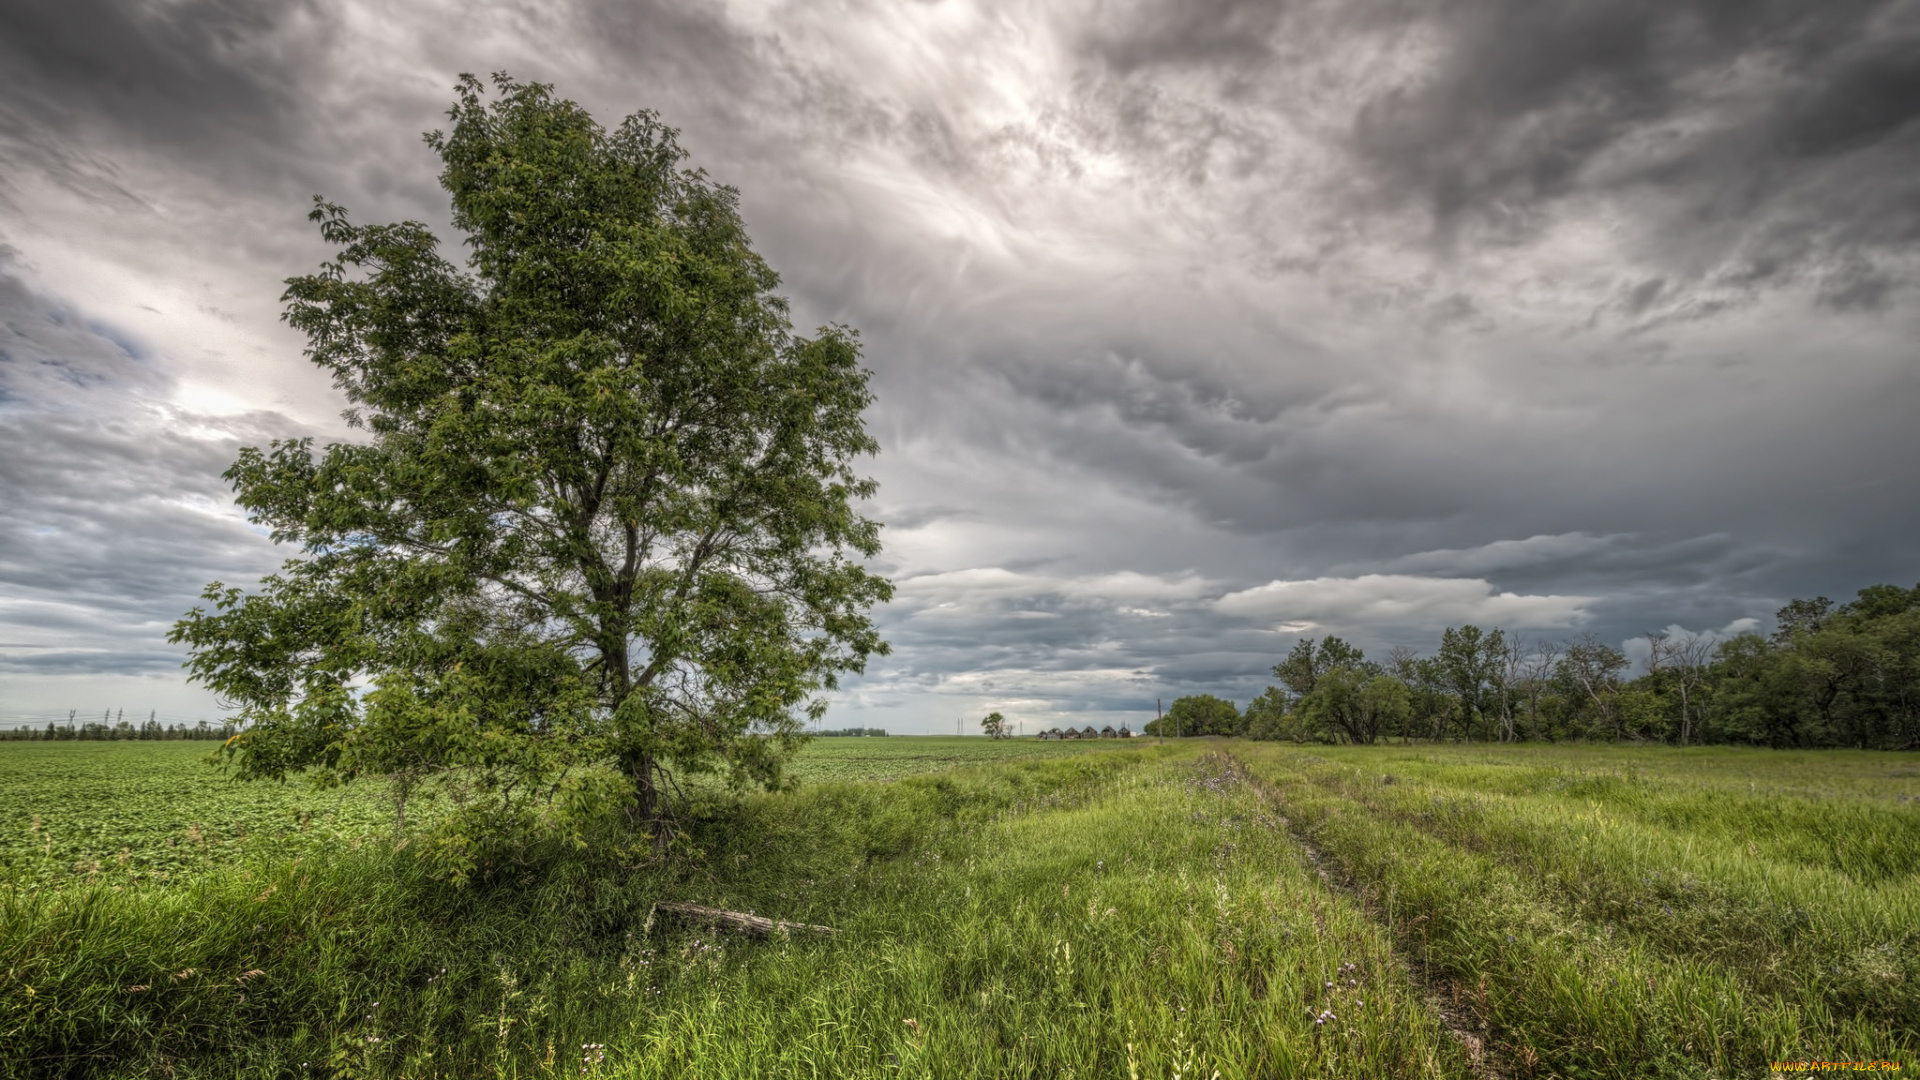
(994, 725)
(605, 510)
(1197, 714)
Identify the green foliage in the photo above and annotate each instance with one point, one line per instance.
(1270, 716)
(1351, 704)
(1300, 672)
(1468, 666)
(994, 725)
(1197, 714)
(1846, 675)
(606, 508)
(1833, 675)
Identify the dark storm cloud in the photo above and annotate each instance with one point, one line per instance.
(1197, 327)
(1748, 144)
(1783, 133)
(116, 515)
(205, 76)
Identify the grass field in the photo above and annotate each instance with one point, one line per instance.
(893, 757)
(129, 812)
(1006, 909)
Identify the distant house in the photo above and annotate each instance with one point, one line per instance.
(1108, 732)
(1126, 732)
(1088, 732)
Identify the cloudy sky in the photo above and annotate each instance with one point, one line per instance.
(1197, 327)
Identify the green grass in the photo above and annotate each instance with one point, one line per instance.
(1106, 913)
(1619, 912)
(149, 812)
(135, 812)
(1035, 909)
(895, 756)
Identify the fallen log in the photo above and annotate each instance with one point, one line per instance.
(752, 925)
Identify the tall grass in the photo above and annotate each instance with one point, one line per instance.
(1135, 913)
(1621, 922)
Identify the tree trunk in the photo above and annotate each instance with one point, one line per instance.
(644, 771)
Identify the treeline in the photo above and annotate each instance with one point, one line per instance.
(125, 729)
(1831, 675)
(854, 731)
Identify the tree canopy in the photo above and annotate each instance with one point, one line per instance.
(1197, 714)
(605, 507)
(1845, 674)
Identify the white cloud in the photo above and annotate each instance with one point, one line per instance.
(1503, 554)
(977, 587)
(1400, 600)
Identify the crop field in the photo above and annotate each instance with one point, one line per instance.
(1019, 909)
(149, 811)
(127, 812)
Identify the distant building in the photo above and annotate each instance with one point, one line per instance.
(1108, 732)
(1088, 732)
(1126, 732)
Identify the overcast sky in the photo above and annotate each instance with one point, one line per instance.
(1197, 327)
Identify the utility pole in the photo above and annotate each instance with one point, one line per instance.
(1158, 717)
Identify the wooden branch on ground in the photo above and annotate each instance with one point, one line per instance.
(751, 925)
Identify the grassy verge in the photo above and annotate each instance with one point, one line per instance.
(1134, 913)
(1626, 922)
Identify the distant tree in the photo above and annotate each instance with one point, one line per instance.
(1470, 661)
(1509, 678)
(1268, 717)
(604, 508)
(1752, 700)
(1536, 682)
(1300, 671)
(1353, 704)
(994, 725)
(1197, 714)
(1682, 661)
(1833, 675)
(1589, 672)
(1799, 619)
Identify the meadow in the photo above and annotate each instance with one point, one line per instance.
(1196, 908)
